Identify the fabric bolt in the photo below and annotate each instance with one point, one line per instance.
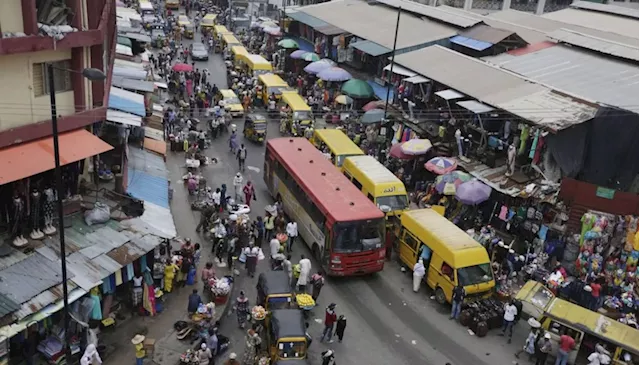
(143, 263)
(542, 233)
(96, 311)
(522, 212)
(106, 286)
(511, 214)
(534, 144)
(130, 272)
(118, 275)
(503, 213)
(538, 151)
(524, 136)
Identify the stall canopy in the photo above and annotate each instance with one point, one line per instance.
(399, 70)
(133, 85)
(123, 50)
(449, 94)
(416, 79)
(130, 73)
(31, 158)
(381, 91)
(475, 106)
(126, 101)
(137, 37)
(371, 48)
(117, 116)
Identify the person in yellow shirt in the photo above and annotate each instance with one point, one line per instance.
(169, 274)
(137, 342)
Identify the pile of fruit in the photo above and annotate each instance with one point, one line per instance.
(305, 301)
(258, 313)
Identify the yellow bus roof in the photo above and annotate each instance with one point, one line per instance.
(183, 19)
(255, 60)
(209, 20)
(454, 245)
(230, 39)
(378, 178)
(272, 80)
(599, 325)
(221, 29)
(228, 93)
(295, 101)
(239, 51)
(211, 16)
(338, 142)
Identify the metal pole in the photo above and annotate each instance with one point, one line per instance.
(393, 58)
(58, 177)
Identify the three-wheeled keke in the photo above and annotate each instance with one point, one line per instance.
(255, 128)
(286, 337)
(300, 115)
(189, 31)
(274, 291)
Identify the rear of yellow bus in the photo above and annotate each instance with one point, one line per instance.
(337, 144)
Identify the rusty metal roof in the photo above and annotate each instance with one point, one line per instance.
(42, 300)
(126, 254)
(7, 305)
(30, 277)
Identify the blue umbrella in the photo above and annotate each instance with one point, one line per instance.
(315, 67)
(473, 192)
(372, 116)
(334, 74)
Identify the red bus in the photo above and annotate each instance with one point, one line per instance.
(343, 229)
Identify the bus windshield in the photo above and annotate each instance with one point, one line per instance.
(301, 115)
(358, 236)
(395, 202)
(341, 159)
(292, 349)
(474, 274)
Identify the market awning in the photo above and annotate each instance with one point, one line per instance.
(307, 19)
(124, 41)
(133, 85)
(449, 94)
(31, 158)
(123, 50)
(370, 48)
(126, 101)
(470, 43)
(137, 37)
(475, 107)
(156, 146)
(129, 73)
(125, 118)
(416, 79)
(330, 30)
(381, 91)
(148, 177)
(399, 70)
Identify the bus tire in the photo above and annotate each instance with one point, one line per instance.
(440, 297)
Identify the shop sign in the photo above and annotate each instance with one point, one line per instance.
(605, 193)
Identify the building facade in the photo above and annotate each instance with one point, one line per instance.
(73, 34)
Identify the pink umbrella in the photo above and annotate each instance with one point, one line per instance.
(376, 104)
(396, 151)
(182, 67)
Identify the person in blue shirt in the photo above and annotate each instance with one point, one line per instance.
(424, 254)
(194, 302)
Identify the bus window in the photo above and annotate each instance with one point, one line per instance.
(370, 197)
(447, 270)
(411, 241)
(560, 329)
(357, 184)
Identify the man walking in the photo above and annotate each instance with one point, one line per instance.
(292, 233)
(456, 301)
(317, 282)
(242, 157)
(510, 312)
(330, 319)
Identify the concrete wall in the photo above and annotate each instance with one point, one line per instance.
(18, 105)
(11, 16)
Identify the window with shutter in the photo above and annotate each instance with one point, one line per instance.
(61, 78)
(38, 79)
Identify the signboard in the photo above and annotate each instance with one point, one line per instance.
(605, 193)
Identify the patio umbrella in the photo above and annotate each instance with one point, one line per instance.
(396, 152)
(315, 67)
(334, 74)
(297, 54)
(288, 43)
(343, 99)
(311, 57)
(372, 116)
(376, 104)
(473, 192)
(441, 165)
(357, 88)
(416, 146)
(448, 183)
(182, 67)
(275, 31)
(266, 25)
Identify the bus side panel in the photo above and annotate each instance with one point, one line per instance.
(307, 228)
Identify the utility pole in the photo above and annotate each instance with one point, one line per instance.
(393, 58)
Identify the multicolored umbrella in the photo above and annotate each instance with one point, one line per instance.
(288, 44)
(396, 152)
(441, 165)
(372, 116)
(376, 104)
(343, 99)
(334, 74)
(315, 67)
(473, 192)
(416, 146)
(448, 183)
(297, 54)
(182, 67)
(310, 57)
(357, 88)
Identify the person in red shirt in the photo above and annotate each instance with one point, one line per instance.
(330, 319)
(567, 343)
(595, 295)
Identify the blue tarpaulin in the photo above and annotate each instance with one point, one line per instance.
(126, 101)
(470, 43)
(147, 177)
(381, 91)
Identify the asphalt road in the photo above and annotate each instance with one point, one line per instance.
(387, 323)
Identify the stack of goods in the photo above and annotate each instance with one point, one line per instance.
(481, 316)
(258, 313)
(221, 288)
(282, 237)
(189, 357)
(204, 312)
(305, 301)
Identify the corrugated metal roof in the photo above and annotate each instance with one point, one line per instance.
(493, 86)
(134, 85)
(329, 30)
(487, 34)
(471, 43)
(306, 19)
(592, 76)
(432, 12)
(13, 257)
(595, 44)
(147, 178)
(370, 48)
(606, 8)
(149, 162)
(126, 254)
(126, 101)
(548, 24)
(475, 106)
(42, 300)
(595, 20)
(378, 23)
(155, 220)
(7, 306)
(125, 118)
(87, 273)
(147, 243)
(29, 277)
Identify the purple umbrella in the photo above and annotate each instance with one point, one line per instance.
(473, 192)
(297, 54)
(334, 74)
(315, 67)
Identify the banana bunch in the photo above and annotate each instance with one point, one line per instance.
(305, 300)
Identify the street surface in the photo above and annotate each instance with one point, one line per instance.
(387, 323)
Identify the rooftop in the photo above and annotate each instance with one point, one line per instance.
(432, 12)
(489, 84)
(595, 77)
(606, 8)
(605, 22)
(377, 23)
(595, 44)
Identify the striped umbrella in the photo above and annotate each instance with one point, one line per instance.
(441, 165)
(448, 183)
